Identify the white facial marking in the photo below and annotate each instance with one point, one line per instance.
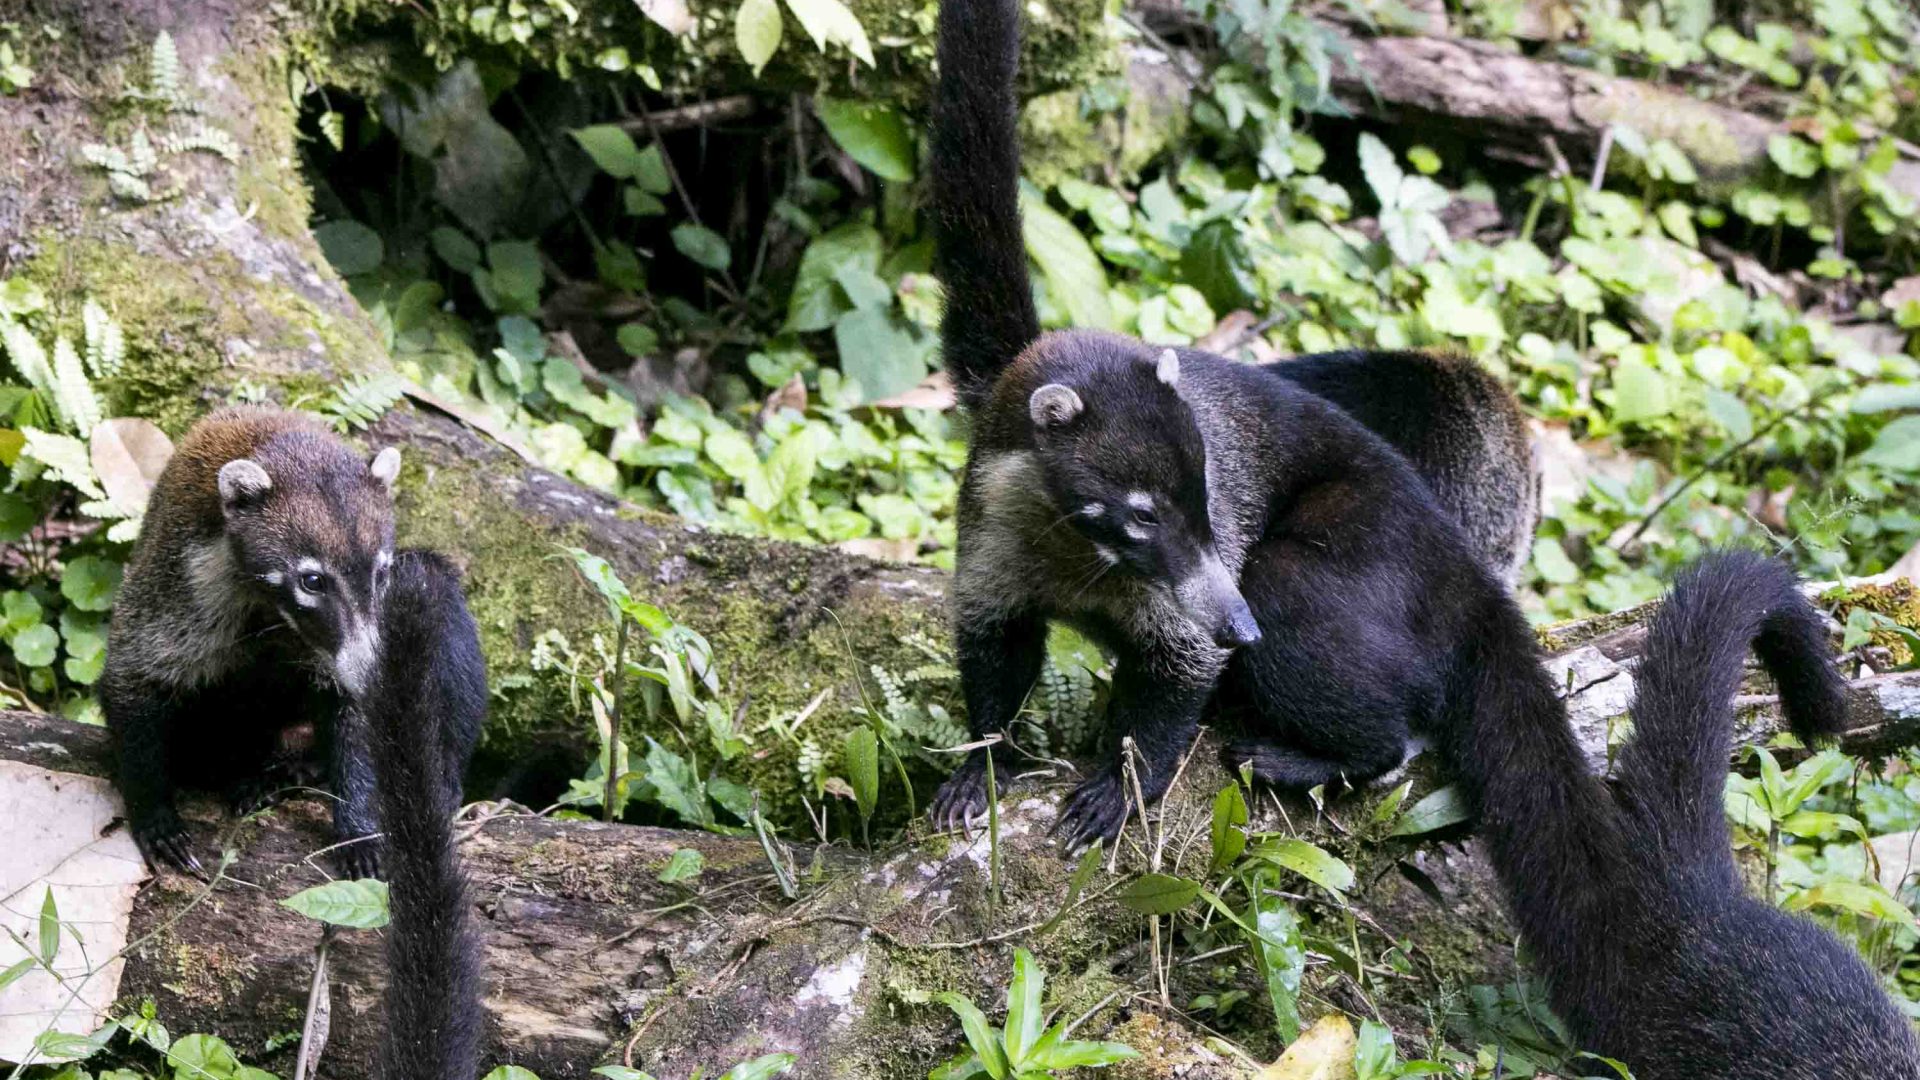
(1135, 532)
(1167, 367)
(359, 648)
(1092, 510)
(1106, 554)
(1139, 500)
(301, 596)
(276, 579)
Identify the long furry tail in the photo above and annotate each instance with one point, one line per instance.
(424, 709)
(978, 251)
(1672, 771)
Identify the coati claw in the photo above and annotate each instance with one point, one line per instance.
(1095, 811)
(167, 844)
(359, 857)
(960, 800)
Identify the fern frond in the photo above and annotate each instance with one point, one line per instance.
(163, 72)
(28, 358)
(106, 342)
(72, 394)
(364, 399)
(141, 155)
(203, 136)
(65, 459)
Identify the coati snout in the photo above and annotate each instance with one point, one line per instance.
(318, 543)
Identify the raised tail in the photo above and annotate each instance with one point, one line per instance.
(424, 711)
(978, 251)
(1673, 769)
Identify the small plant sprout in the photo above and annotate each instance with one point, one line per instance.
(1025, 1049)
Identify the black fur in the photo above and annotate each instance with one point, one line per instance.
(424, 710)
(1628, 899)
(979, 255)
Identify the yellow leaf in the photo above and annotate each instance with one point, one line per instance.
(1325, 1052)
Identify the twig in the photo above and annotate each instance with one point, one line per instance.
(1600, 158)
(313, 1032)
(698, 114)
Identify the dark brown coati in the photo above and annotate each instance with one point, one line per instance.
(1186, 510)
(424, 706)
(1628, 898)
(248, 618)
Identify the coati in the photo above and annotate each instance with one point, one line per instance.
(424, 706)
(1218, 526)
(250, 611)
(1628, 898)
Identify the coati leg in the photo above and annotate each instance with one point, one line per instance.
(999, 660)
(144, 716)
(1297, 769)
(350, 765)
(1160, 715)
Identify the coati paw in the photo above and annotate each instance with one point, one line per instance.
(960, 800)
(1095, 811)
(164, 843)
(358, 857)
(255, 795)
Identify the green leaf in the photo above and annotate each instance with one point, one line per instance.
(351, 247)
(36, 646)
(981, 1036)
(1310, 862)
(1158, 894)
(1795, 156)
(359, 904)
(511, 1072)
(611, 148)
(757, 30)
(1550, 559)
(1082, 876)
(621, 1072)
(1639, 393)
(862, 761)
(1229, 813)
(1862, 898)
(1373, 1056)
(651, 175)
(196, 1057)
(16, 972)
(1080, 1055)
(829, 21)
(863, 287)
(760, 1068)
(49, 928)
(1438, 810)
(877, 350)
(1072, 271)
(684, 865)
(816, 300)
(637, 339)
(702, 245)
(733, 452)
(1025, 1009)
(677, 787)
(1897, 446)
(604, 579)
(1731, 414)
(90, 583)
(455, 249)
(1281, 957)
(874, 135)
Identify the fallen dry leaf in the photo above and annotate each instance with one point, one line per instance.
(884, 550)
(1905, 290)
(933, 392)
(128, 454)
(1324, 1052)
(54, 821)
(672, 15)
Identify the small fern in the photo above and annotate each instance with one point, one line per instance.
(205, 137)
(364, 399)
(106, 342)
(73, 395)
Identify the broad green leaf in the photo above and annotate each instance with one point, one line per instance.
(36, 646)
(961, 1067)
(757, 30)
(731, 450)
(611, 148)
(874, 135)
(1550, 559)
(604, 579)
(637, 339)
(1731, 414)
(1082, 876)
(90, 583)
(862, 761)
(621, 1072)
(1229, 814)
(1795, 156)
(1897, 446)
(1862, 898)
(830, 22)
(511, 1072)
(1639, 393)
(351, 247)
(702, 245)
(359, 904)
(684, 865)
(455, 249)
(1383, 174)
(1436, 811)
(816, 300)
(981, 1036)
(879, 351)
(13, 974)
(677, 786)
(1310, 862)
(1389, 805)
(1074, 276)
(760, 1068)
(1281, 957)
(1057, 1055)
(1158, 894)
(194, 1057)
(1373, 1057)
(1025, 1008)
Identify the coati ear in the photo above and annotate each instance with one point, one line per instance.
(242, 481)
(1054, 405)
(1166, 367)
(386, 467)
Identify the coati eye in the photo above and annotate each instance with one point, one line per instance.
(313, 583)
(1143, 516)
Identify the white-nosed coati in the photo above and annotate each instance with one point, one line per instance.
(248, 619)
(1216, 525)
(1627, 896)
(426, 700)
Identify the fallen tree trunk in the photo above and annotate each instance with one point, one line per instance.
(590, 958)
